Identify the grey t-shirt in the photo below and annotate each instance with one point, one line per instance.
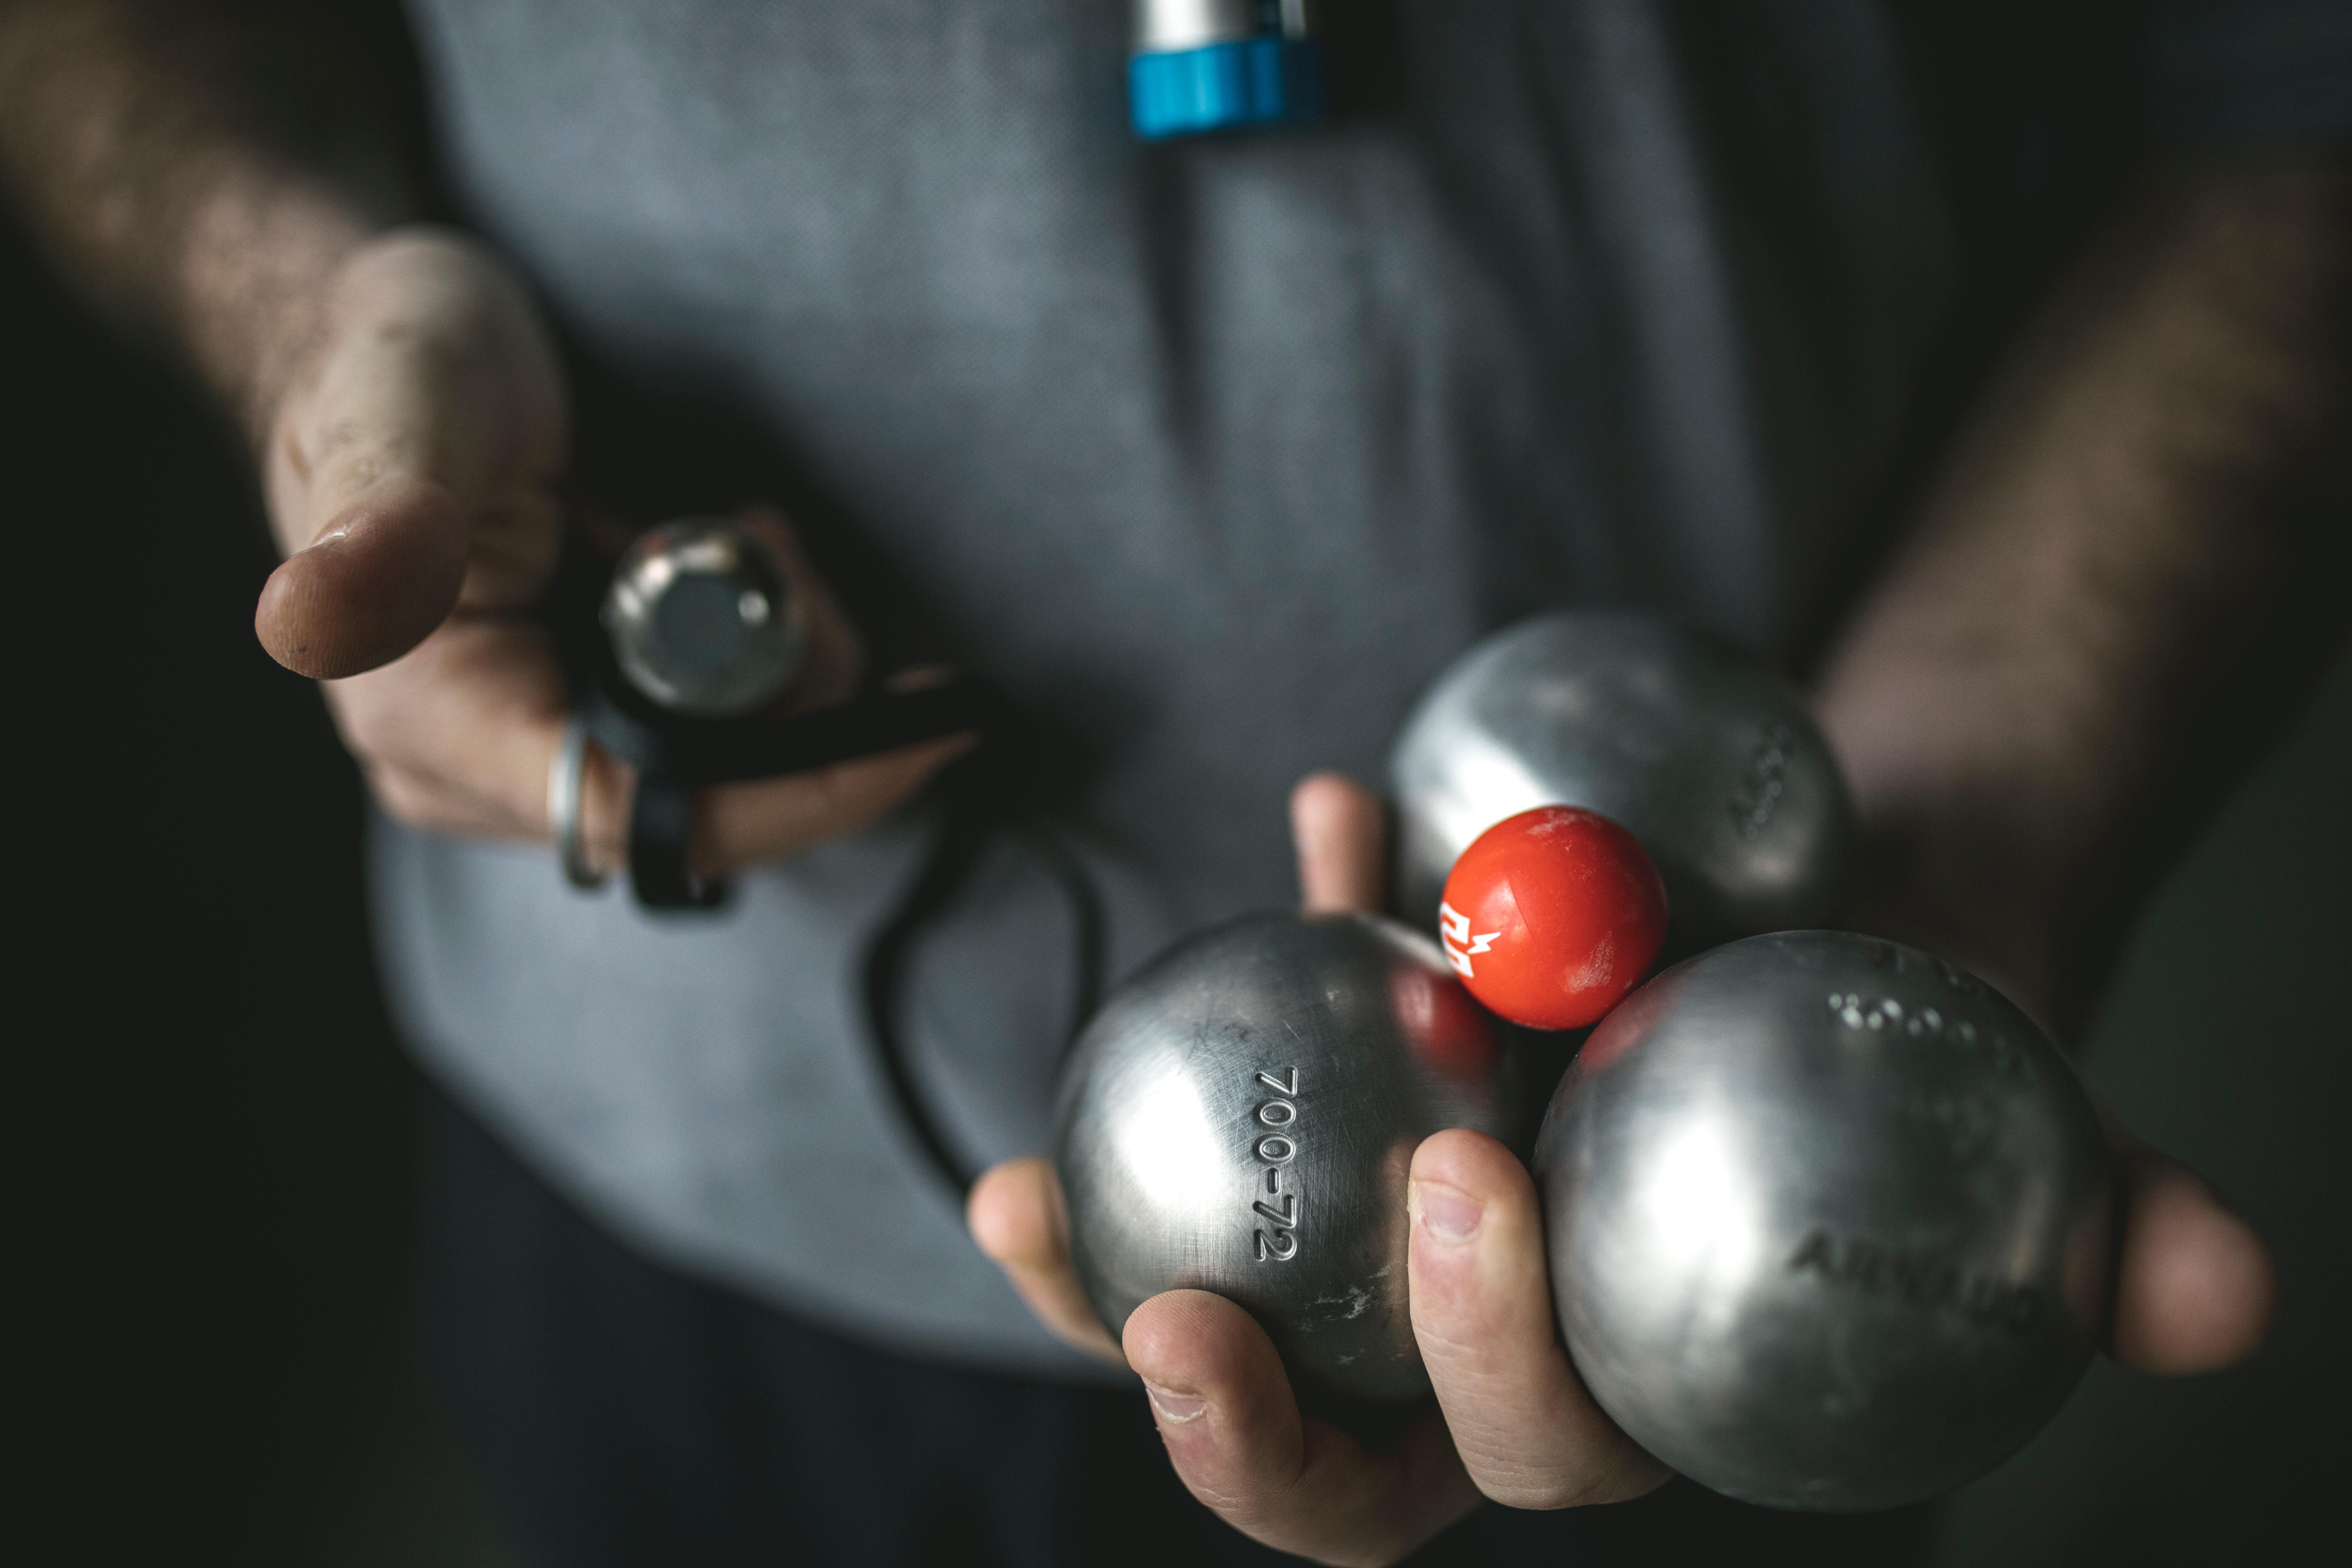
(1211, 454)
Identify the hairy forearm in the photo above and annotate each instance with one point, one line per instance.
(2131, 498)
(196, 169)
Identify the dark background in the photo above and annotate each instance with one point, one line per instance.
(219, 1138)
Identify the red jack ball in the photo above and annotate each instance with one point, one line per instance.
(1551, 916)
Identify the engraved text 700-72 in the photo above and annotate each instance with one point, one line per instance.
(1274, 1142)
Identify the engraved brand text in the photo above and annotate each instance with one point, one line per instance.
(1923, 1280)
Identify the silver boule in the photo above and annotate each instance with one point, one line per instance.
(1241, 1116)
(1828, 1220)
(703, 620)
(1715, 764)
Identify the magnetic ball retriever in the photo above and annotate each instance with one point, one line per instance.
(681, 660)
(1241, 1118)
(1550, 917)
(1829, 1221)
(703, 620)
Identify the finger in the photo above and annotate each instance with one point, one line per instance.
(379, 577)
(1017, 1220)
(1528, 1432)
(741, 825)
(2195, 1286)
(1224, 1408)
(425, 802)
(1342, 837)
(410, 467)
(469, 723)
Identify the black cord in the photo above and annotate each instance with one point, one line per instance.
(975, 803)
(1086, 916)
(955, 849)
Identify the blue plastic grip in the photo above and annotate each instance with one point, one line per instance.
(1225, 87)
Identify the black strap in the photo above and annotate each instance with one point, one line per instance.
(674, 757)
(661, 819)
(728, 751)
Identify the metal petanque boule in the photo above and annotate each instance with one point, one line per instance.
(1241, 1118)
(1715, 766)
(1829, 1221)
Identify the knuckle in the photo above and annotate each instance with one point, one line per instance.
(365, 738)
(1541, 1476)
(1532, 1497)
(1459, 1324)
(363, 719)
(1448, 1338)
(400, 801)
(1244, 1505)
(1511, 1480)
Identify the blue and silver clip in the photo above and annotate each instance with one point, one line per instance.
(1224, 64)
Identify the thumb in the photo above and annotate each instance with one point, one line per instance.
(1341, 832)
(2195, 1288)
(383, 573)
(411, 456)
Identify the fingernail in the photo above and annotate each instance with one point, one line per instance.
(1447, 1213)
(1174, 1408)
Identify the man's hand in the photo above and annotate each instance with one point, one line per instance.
(411, 467)
(408, 412)
(1514, 1422)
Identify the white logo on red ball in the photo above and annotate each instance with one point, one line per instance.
(1453, 933)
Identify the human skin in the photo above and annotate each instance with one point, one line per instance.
(2105, 525)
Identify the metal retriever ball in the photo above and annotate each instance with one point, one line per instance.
(703, 620)
(1714, 764)
(1241, 1118)
(1829, 1221)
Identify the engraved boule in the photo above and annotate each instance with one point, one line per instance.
(703, 620)
(1714, 764)
(1241, 1118)
(1829, 1221)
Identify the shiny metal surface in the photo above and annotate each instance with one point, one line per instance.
(1827, 1219)
(1168, 25)
(564, 775)
(703, 620)
(1240, 1116)
(1715, 766)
